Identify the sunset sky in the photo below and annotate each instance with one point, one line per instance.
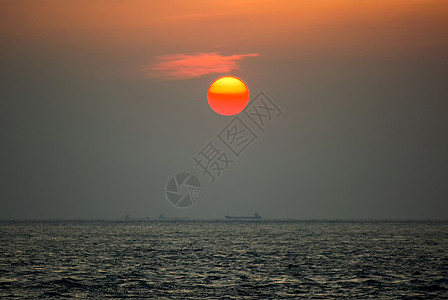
(103, 101)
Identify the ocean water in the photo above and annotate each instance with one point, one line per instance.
(225, 260)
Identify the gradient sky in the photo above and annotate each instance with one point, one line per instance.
(103, 101)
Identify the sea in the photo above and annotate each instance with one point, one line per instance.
(223, 260)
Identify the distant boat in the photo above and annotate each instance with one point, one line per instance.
(256, 216)
(162, 217)
(129, 218)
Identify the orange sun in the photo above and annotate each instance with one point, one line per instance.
(228, 96)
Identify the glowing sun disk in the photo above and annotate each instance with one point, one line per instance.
(228, 96)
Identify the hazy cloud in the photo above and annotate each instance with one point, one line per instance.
(183, 66)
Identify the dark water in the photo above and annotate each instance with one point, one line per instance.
(238, 260)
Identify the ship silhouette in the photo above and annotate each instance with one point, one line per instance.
(163, 217)
(129, 218)
(256, 216)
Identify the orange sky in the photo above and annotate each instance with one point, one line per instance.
(103, 100)
(288, 29)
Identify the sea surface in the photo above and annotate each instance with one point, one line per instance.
(224, 260)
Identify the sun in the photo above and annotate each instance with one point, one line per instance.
(228, 96)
